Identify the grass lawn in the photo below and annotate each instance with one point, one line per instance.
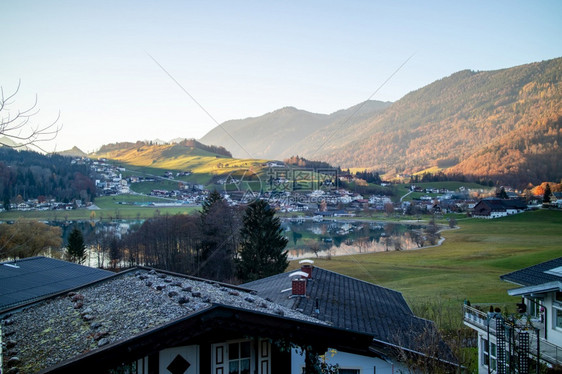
(466, 266)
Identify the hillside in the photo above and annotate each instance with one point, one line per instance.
(284, 132)
(185, 155)
(31, 175)
(73, 152)
(504, 124)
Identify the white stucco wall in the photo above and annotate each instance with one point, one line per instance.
(346, 360)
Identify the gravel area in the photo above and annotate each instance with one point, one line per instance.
(58, 329)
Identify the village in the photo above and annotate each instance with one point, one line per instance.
(314, 200)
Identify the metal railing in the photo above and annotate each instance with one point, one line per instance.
(539, 347)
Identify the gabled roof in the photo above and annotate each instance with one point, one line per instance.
(32, 278)
(536, 274)
(120, 309)
(353, 304)
(501, 205)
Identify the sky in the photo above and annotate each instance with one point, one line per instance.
(139, 70)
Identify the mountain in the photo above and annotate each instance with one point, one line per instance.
(284, 132)
(503, 124)
(73, 152)
(10, 143)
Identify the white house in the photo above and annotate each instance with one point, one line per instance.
(534, 334)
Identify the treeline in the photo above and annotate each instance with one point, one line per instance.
(30, 175)
(220, 150)
(450, 177)
(210, 245)
(369, 176)
(309, 164)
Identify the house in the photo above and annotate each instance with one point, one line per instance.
(148, 321)
(534, 334)
(35, 278)
(495, 208)
(351, 304)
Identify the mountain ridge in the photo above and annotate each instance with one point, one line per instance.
(501, 123)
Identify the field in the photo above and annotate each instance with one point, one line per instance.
(466, 266)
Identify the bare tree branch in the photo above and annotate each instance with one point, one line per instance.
(17, 125)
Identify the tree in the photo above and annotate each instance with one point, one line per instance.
(547, 194)
(16, 127)
(501, 194)
(220, 227)
(452, 222)
(262, 245)
(432, 231)
(27, 239)
(76, 249)
(389, 208)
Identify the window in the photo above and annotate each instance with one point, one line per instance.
(239, 358)
(559, 296)
(557, 318)
(489, 354)
(535, 309)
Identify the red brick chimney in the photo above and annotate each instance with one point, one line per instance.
(298, 283)
(306, 267)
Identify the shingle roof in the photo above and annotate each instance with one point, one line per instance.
(117, 309)
(36, 277)
(535, 275)
(352, 304)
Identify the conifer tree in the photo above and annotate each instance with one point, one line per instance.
(262, 245)
(76, 249)
(219, 235)
(547, 194)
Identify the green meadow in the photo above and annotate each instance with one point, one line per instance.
(466, 266)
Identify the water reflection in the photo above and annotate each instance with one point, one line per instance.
(339, 238)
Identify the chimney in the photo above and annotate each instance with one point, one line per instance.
(298, 283)
(306, 267)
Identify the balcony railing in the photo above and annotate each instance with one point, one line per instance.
(538, 346)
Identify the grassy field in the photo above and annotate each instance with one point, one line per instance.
(466, 266)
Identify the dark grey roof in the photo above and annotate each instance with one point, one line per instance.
(535, 275)
(501, 204)
(122, 306)
(352, 304)
(32, 278)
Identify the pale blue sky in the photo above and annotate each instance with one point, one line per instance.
(240, 59)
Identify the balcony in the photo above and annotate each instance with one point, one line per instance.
(538, 346)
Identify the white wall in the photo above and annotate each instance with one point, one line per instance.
(349, 361)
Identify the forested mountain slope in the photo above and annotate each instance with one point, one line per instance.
(503, 123)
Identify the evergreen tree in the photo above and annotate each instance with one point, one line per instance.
(210, 201)
(262, 245)
(76, 249)
(501, 194)
(219, 235)
(547, 194)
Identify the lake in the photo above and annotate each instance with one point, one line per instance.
(327, 238)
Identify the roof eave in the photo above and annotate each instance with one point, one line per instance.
(536, 289)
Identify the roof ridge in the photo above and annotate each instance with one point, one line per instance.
(27, 259)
